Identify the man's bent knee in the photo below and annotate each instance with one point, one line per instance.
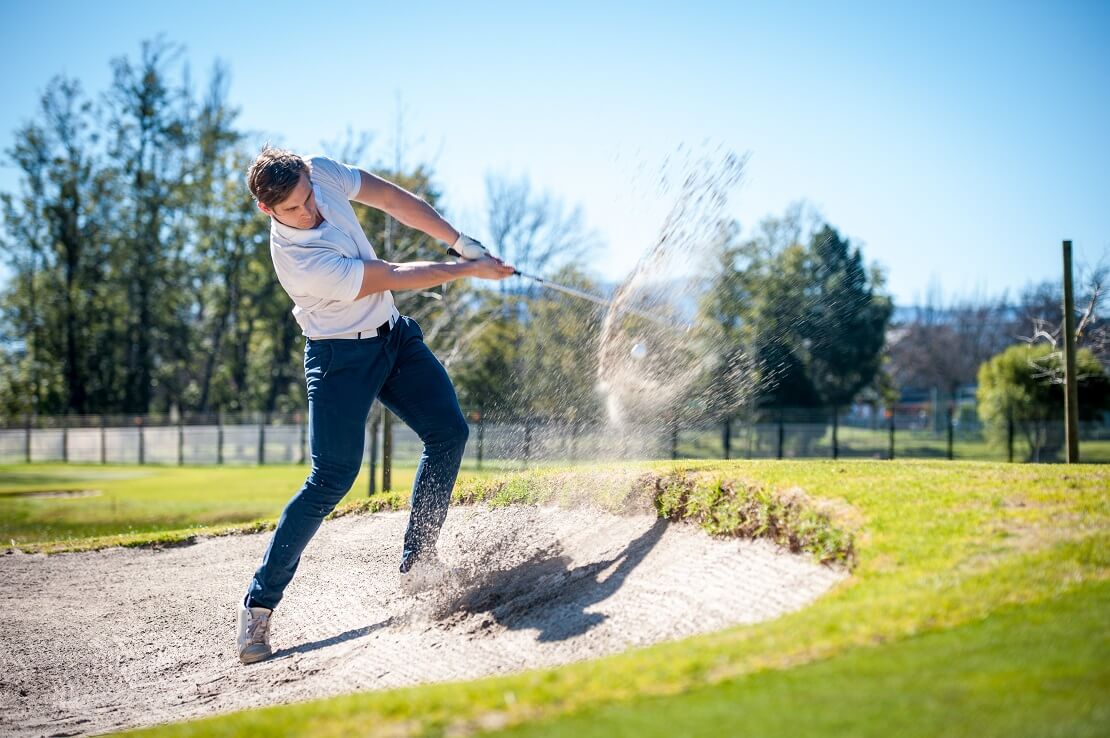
(334, 477)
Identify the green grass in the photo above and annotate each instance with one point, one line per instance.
(1023, 671)
(150, 504)
(973, 585)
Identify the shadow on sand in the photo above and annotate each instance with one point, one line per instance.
(545, 594)
(349, 635)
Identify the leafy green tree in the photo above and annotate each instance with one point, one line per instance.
(802, 317)
(844, 328)
(1018, 386)
(148, 129)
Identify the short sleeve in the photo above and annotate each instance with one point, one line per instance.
(342, 178)
(325, 273)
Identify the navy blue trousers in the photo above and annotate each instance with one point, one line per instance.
(344, 377)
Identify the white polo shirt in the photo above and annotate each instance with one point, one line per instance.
(321, 268)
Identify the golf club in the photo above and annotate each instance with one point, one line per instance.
(658, 320)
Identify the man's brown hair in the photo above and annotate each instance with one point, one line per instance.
(273, 175)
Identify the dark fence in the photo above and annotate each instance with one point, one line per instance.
(254, 438)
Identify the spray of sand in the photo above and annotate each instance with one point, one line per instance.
(647, 372)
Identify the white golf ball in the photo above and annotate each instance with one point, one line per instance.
(639, 351)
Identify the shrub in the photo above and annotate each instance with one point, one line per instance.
(1023, 385)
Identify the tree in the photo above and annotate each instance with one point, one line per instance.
(944, 342)
(149, 138)
(533, 231)
(56, 250)
(844, 330)
(804, 308)
(1015, 387)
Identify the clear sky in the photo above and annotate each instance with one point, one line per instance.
(958, 142)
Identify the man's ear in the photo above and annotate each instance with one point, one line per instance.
(264, 209)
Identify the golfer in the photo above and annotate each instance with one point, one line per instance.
(358, 347)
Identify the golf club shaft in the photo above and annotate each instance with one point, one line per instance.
(595, 299)
(587, 296)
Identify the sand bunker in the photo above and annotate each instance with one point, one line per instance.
(102, 641)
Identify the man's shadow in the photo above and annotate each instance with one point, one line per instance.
(333, 640)
(545, 594)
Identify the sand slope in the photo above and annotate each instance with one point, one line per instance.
(101, 641)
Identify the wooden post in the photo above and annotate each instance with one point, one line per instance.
(27, 439)
(142, 440)
(835, 435)
(481, 439)
(262, 439)
(103, 440)
(891, 429)
(373, 486)
(1010, 437)
(304, 438)
(180, 440)
(220, 436)
(782, 434)
(726, 437)
(951, 416)
(387, 450)
(65, 437)
(1071, 395)
(527, 441)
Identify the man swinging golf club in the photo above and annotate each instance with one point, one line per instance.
(358, 347)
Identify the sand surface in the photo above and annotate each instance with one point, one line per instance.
(102, 641)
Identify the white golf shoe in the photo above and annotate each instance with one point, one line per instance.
(254, 634)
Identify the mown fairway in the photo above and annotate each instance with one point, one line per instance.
(976, 607)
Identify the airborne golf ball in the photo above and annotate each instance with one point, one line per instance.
(639, 351)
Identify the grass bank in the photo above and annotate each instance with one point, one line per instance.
(975, 586)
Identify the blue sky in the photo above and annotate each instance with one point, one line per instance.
(959, 143)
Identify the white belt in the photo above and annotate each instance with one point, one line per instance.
(381, 330)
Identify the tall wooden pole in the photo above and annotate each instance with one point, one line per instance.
(1071, 395)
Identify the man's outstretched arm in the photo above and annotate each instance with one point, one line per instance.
(378, 276)
(404, 206)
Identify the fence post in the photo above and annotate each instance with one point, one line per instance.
(481, 438)
(65, 437)
(27, 438)
(304, 438)
(726, 437)
(103, 440)
(220, 436)
(1010, 437)
(891, 411)
(674, 438)
(782, 435)
(262, 439)
(142, 439)
(951, 430)
(835, 438)
(527, 441)
(387, 450)
(373, 486)
(1071, 396)
(180, 440)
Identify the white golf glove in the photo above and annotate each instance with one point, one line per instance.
(468, 249)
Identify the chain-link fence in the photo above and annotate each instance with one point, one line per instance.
(254, 438)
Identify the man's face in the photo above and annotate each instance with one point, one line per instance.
(299, 209)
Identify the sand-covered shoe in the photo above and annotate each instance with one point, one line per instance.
(254, 634)
(428, 573)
